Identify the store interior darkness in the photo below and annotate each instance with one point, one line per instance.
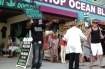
(103, 40)
(6, 13)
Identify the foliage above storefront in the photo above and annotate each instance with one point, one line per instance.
(18, 4)
(27, 7)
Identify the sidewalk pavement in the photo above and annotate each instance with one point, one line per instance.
(10, 63)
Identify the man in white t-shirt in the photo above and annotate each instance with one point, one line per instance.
(9, 42)
(14, 45)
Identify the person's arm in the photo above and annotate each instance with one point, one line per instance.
(82, 35)
(88, 41)
(65, 37)
(17, 45)
(29, 23)
(101, 33)
(49, 23)
(87, 35)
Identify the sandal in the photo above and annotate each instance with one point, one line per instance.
(91, 67)
(82, 65)
(95, 65)
(102, 66)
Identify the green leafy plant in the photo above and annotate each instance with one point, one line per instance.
(11, 3)
(21, 39)
(18, 31)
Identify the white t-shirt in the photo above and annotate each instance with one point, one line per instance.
(86, 24)
(9, 41)
(17, 41)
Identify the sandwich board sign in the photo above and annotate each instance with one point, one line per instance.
(25, 53)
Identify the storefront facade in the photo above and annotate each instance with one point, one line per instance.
(21, 19)
(68, 9)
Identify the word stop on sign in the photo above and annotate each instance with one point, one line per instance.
(60, 2)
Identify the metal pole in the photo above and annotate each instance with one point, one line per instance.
(30, 30)
(31, 1)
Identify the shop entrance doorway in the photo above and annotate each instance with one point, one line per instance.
(64, 23)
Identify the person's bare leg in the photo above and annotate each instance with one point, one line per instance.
(101, 60)
(64, 54)
(91, 61)
(81, 60)
(11, 53)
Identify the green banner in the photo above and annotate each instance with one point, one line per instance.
(30, 9)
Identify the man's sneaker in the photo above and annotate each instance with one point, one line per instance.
(6, 55)
(37, 68)
(10, 57)
(33, 68)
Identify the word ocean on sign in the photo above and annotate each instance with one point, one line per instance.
(86, 7)
(77, 5)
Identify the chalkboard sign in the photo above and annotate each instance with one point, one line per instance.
(33, 12)
(25, 53)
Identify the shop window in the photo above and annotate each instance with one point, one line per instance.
(102, 2)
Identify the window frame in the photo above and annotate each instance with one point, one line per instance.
(97, 2)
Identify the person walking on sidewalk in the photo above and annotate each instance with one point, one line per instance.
(85, 57)
(95, 32)
(63, 44)
(37, 34)
(73, 36)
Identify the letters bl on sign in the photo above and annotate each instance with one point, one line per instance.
(77, 5)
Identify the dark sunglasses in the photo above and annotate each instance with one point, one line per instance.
(95, 22)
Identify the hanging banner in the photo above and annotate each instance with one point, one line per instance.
(34, 13)
(76, 5)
